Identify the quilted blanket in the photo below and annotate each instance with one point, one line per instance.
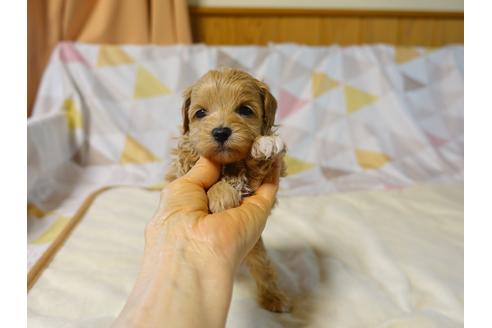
(354, 118)
(385, 258)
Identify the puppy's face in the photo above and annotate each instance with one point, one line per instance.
(224, 112)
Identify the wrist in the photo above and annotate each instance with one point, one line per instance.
(176, 286)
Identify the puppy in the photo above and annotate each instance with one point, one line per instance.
(228, 117)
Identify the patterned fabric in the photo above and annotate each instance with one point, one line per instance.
(355, 118)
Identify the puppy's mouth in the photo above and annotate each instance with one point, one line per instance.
(224, 153)
(223, 148)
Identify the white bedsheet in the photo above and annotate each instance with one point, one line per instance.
(368, 259)
(353, 118)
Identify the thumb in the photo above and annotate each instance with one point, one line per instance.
(254, 210)
(204, 173)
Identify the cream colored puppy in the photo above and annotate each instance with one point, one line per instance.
(228, 117)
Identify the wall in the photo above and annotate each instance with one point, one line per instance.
(409, 5)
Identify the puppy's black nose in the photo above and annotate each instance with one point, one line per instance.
(221, 134)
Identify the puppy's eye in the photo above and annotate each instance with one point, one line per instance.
(245, 111)
(201, 113)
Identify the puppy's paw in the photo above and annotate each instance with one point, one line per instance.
(275, 301)
(267, 147)
(222, 196)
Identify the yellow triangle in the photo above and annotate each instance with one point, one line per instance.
(52, 232)
(355, 99)
(295, 165)
(72, 114)
(136, 153)
(404, 54)
(147, 85)
(113, 56)
(371, 160)
(320, 83)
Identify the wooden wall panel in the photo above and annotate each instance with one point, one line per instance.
(236, 26)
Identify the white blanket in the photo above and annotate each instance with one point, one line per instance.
(366, 259)
(354, 118)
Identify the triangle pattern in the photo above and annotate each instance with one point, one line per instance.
(435, 140)
(369, 160)
(293, 135)
(332, 63)
(52, 231)
(136, 153)
(72, 114)
(416, 69)
(331, 173)
(320, 83)
(69, 54)
(438, 72)
(410, 84)
(288, 104)
(373, 81)
(225, 60)
(291, 69)
(91, 156)
(356, 99)
(147, 85)
(405, 146)
(353, 67)
(296, 166)
(113, 56)
(186, 76)
(405, 54)
(102, 91)
(326, 148)
(240, 57)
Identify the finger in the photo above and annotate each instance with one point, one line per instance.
(254, 210)
(204, 173)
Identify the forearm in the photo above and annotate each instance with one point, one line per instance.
(173, 290)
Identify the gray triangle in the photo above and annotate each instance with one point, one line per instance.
(292, 135)
(261, 55)
(410, 84)
(326, 149)
(293, 70)
(187, 76)
(102, 91)
(87, 156)
(331, 173)
(353, 67)
(224, 60)
(403, 146)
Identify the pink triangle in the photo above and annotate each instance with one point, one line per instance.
(392, 186)
(436, 141)
(68, 53)
(288, 104)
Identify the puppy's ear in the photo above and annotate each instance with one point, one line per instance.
(184, 109)
(269, 108)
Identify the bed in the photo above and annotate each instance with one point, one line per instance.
(369, 229)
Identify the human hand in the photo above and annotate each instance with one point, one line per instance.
(191, 256)
(183, 224)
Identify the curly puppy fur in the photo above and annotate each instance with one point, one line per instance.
(228, 117)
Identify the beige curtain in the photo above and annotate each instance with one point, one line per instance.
(99, 21)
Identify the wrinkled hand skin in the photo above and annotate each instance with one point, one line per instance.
(267, 147)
